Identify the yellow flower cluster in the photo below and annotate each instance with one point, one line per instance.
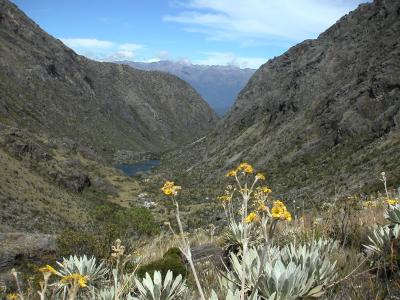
(224, 199)
(265, 190)
(75, 278)
(12, 296)
(279, 211)
(252, 218)
(231, 173)
(48, 269)
(392, 201)
(260, 176)
(170, 189)
(245, 168)
(262, 207)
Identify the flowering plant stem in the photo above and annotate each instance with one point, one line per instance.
(245, 244)
(185, 248)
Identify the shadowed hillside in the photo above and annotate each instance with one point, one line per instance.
(321, 118)
(47, 87)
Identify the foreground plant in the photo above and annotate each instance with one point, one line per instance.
(74, 276)
(264, 215)
(170, 189)
(290, 272)
(158, 289)
(383, 248)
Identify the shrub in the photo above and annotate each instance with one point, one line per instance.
(171, 260)
(136, 221)
(128, 222)
(74, 242)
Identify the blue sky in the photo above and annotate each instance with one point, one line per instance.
(245, 33)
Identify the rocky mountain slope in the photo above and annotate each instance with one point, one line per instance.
(46, 87)
(321, 119)
(218, 85)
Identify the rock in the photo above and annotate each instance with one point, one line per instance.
(19, 144)
(72, 179)
(87, 152)
(15, 247)
(208, 252)
(18, 249)
(104, 185)
(68, 145)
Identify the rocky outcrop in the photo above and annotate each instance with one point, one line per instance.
(323, 117)
(48, 88)
(18, 249)
(15, 247)
(67, 173)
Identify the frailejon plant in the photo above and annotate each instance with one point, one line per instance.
(263, 270)
(83, 278)
(158, 289)
(260, 270)
(290, 272)
(75, 276)
(383, 249)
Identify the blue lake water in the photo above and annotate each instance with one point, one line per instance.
(140, 167)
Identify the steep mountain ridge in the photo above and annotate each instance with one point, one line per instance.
(322, 118)
(218, 85)
(46, 87)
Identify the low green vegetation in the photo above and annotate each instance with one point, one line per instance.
(171, 261)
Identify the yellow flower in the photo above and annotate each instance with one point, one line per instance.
(288, 216)
(392, 201)
(279, 211)
(252, 217)
(170, 189)
(75, 279)
(231, 173)
(260, 176)
(266, 190)
(246, 168)
(276, 212)
(48, 269)
(12, 296)
(224, 198)
(262, 207)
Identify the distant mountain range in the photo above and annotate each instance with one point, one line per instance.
(218, 85)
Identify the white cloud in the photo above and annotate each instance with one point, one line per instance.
(227, 58)
(163, 55)
(103, 50)
(87, 43)
(270, 20)
(120, 55)
(130, 47)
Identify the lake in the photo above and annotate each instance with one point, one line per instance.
(139, 167)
